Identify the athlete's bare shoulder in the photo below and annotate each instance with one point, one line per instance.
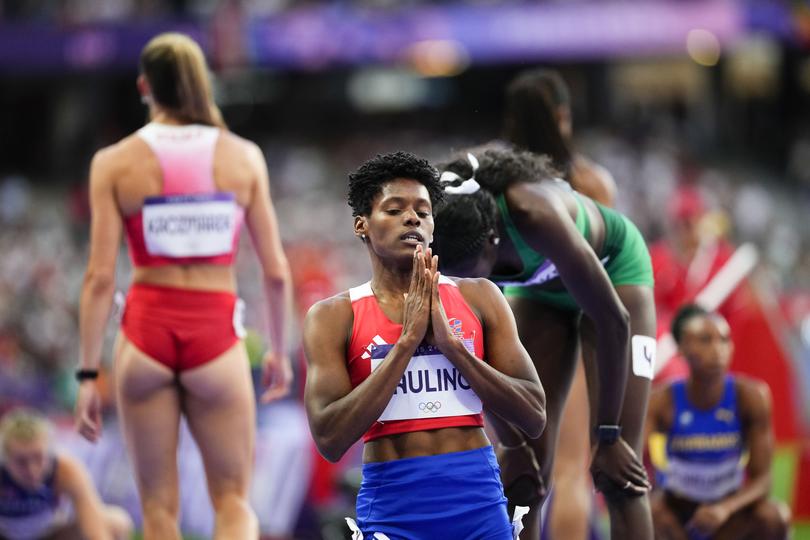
(234, 144)
(753, 395)
(593, 180)
(480, 293)
(474, 286)
(120, 155)
(328, 322)
(661, 407)
(534, 202)
(335, 308)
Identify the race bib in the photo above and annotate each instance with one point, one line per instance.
(703, 482)
(190, 225)
(431, 386)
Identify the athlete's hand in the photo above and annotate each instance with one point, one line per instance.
(442, 333)
(88, 411)
(416, 309)
(520, 474)
(616, 466)
(706, 520)
(277, 376)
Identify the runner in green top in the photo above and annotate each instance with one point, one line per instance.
(558, 254)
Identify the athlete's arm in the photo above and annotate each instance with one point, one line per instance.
(553, 233)
(507, 382)
(754, 404)
(98, 287)
(73, 480)
(339, 414)
(263, 226)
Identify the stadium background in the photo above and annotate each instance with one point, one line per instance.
(675, 98)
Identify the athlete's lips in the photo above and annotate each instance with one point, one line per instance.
(412, 237)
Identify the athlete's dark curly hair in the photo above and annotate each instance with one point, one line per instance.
(683, 316)
(366, 183)
(464, 222)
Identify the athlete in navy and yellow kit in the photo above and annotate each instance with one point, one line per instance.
(407, 362)
(711, 420)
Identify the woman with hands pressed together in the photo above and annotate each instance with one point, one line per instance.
(407, 362)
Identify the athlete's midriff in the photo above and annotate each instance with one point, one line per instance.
(424, 443)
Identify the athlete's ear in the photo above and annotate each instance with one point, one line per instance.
(145, 90)
(361, 228)
(493, 238)
(143, 86)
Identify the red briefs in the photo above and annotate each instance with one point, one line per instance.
(181, 328)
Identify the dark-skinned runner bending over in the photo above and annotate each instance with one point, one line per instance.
(569, 267)
(407, 362)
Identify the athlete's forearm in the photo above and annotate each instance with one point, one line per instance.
(340, 424)
(94, 310)
(612, 357)
(752, 491)
(278, 294)
(518, 401)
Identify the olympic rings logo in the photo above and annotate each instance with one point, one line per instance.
(430, 406)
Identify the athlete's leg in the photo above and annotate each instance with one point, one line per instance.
(551, 339)
(569, 516)
(629, 514)
(765, 520)
(219, 405)
(149, 408)
(666, 524)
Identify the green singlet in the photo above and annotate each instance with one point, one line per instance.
(624, 256)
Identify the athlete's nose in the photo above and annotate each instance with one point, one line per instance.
(412, 218)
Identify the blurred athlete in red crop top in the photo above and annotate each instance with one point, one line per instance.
(180, 188)
(407, 362)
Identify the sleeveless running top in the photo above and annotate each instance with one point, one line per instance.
(432, 394)
(28, 515)
(537, 269)
(704, 448)
(189, 222)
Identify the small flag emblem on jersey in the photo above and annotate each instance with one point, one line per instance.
(455, 327)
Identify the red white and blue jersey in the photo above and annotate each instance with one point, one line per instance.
(189, 222)
(432, 393)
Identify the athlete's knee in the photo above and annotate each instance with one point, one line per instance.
(772, 520)
(160, 507)
(664, 520)
(231, 503)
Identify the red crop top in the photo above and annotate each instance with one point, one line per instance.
(189, 222)
(432, 394)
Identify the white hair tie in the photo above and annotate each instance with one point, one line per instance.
(456, 185)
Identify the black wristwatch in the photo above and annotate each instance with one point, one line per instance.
(608, 434)
(86, 374)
